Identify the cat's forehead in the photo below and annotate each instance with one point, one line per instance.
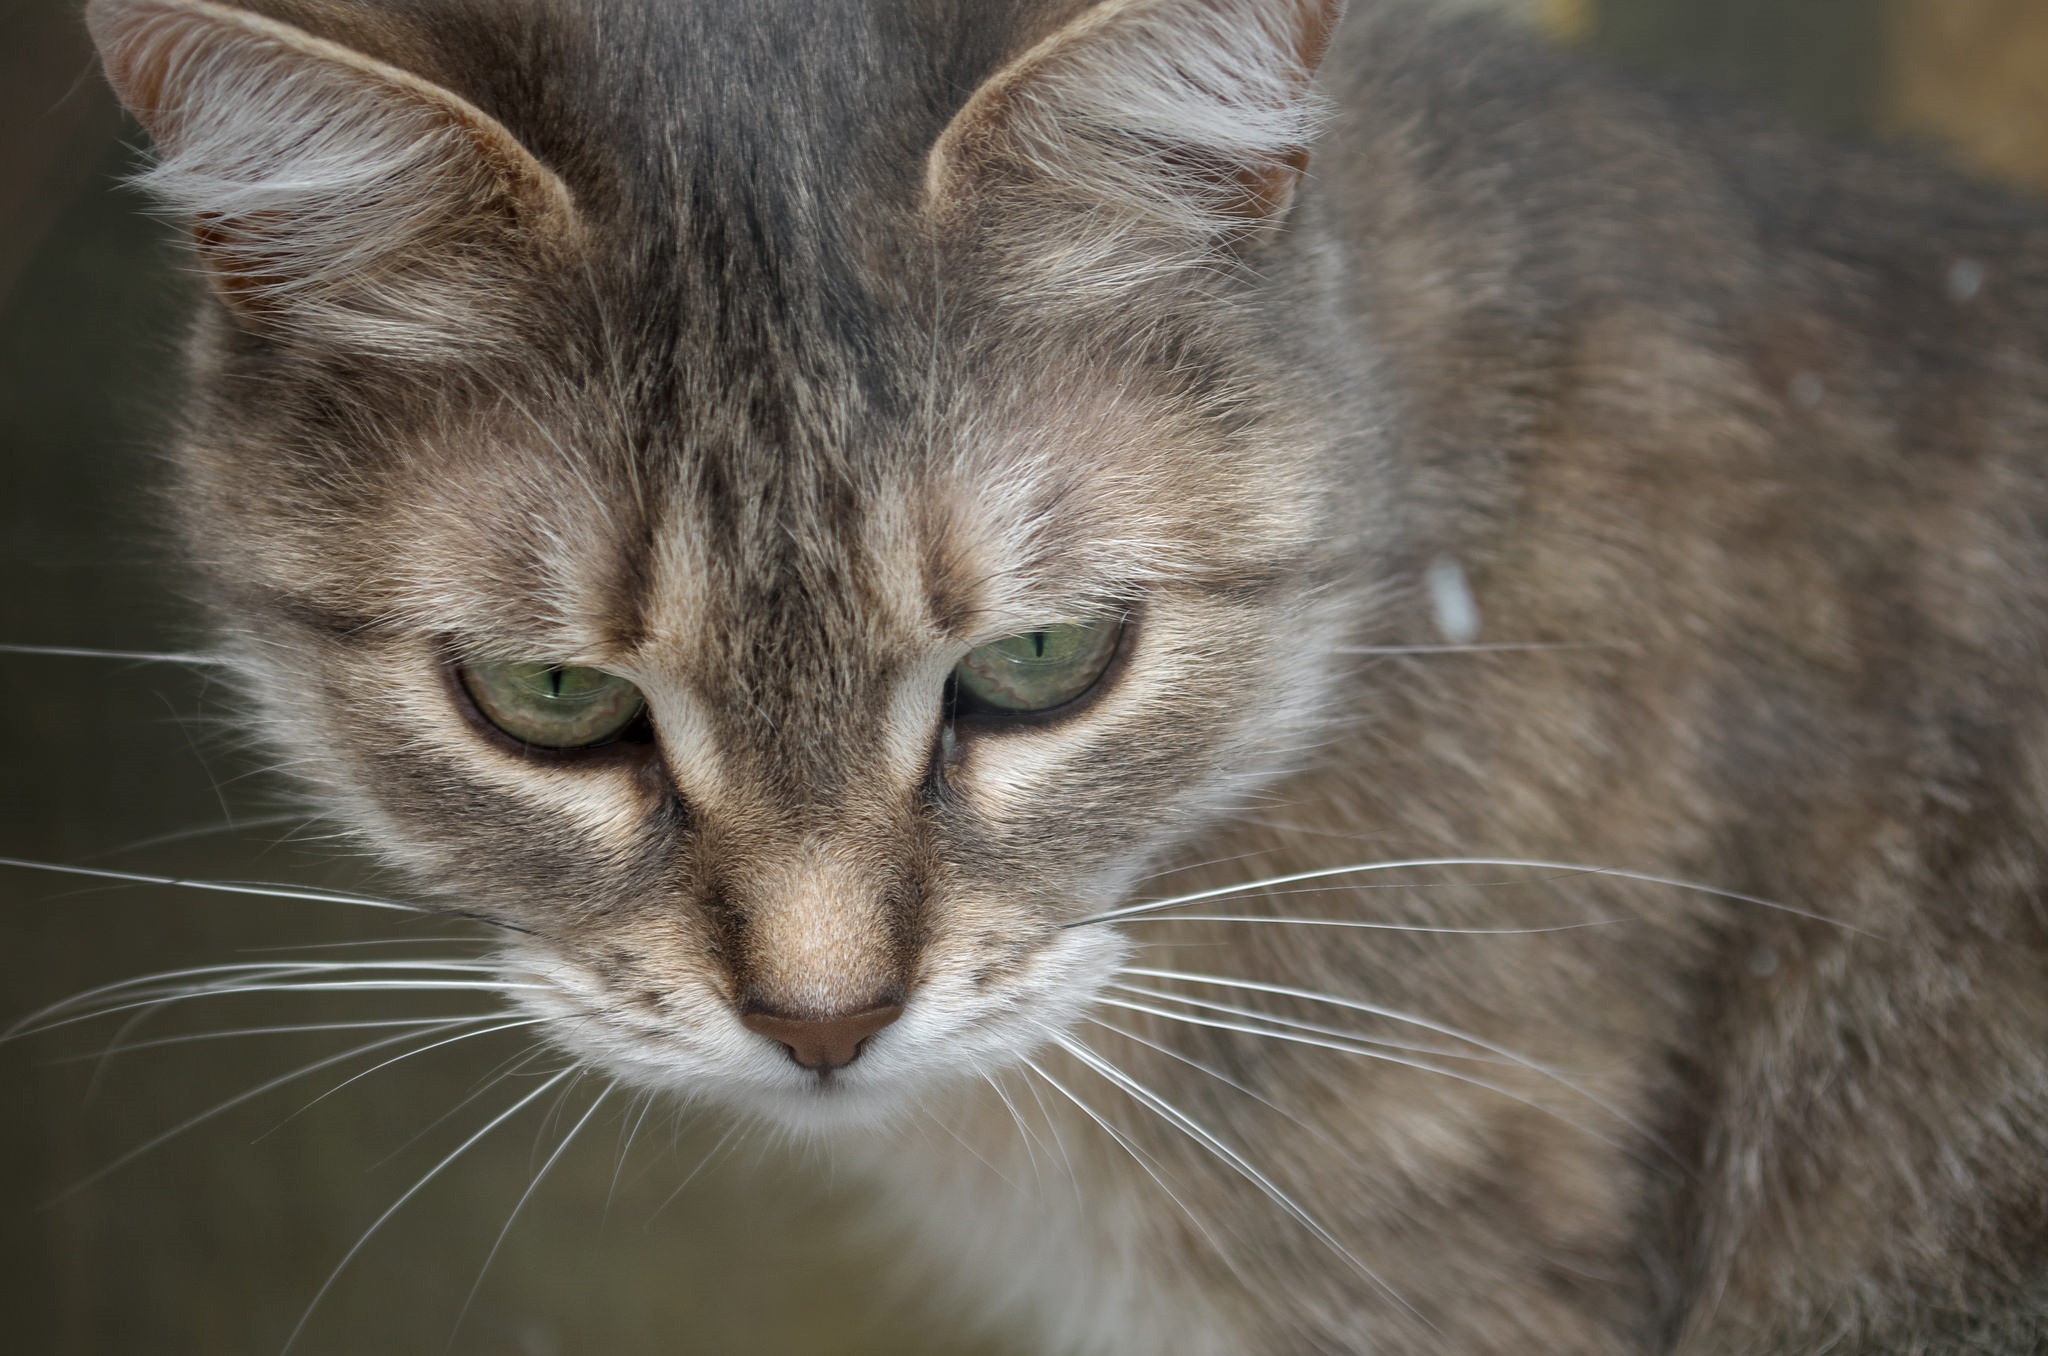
(726, 545)
(743, 509)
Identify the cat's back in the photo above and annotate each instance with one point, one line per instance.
(1595, 190)
(1750, 335)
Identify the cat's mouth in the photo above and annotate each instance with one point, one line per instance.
(808, 1075)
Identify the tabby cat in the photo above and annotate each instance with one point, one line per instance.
(1405, 681)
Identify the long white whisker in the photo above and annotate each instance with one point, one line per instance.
(1351, 1047)
(1023, 1131)
(728, 1137)
(509, 1067)
(310, 986)
(237, 1100)
(1232, 1159)
(211, 830)
(517, 1025)
(1225, 1079)
(976, 1154)
(1180, 868)
(1421, 863)
(239, 970)
(1506, 647)
(1145, 1163)
(524, 1197)
(1371, 927)
(414, 1190)
(225, 887)
(368, 943)
(1053, 1128)
(546, 1126)
(133, 656)
(1316, 1028)
(1409, 1018)
(625, 1151)
(293, 1029)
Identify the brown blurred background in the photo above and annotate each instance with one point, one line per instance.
(215, 1241)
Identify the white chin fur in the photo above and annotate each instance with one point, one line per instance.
(951, 1032)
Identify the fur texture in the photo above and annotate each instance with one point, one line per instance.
(776, 355)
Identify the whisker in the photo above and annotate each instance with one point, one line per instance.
(509, 1067)
(414, 1190)
(225, 887)
(1340, 1044)
(1409, 1018)
(1296, 1024)
(1053, 1128)
(1228, 1156)
(1422, 863)
(1179, 868)
(1023, 1132)
(1145, 1163)
(547, 1122)
(209, 831)
(241, 971)
(727, 1138)
(239, 1099)
(1214, 1073)
(1374, 927)
(132, 656)
(375, 943)
(315, 986)
(976, 1154)
(1504, 647)
(385, 1064)
(520, 1205)
(1350, 1047)
(646, 1100)
(294, 1029)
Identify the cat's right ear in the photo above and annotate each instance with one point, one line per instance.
(333, 197)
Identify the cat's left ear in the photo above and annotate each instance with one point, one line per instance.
(1191, 115)
(334, 197)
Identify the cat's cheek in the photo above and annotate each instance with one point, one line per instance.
(1007, 777)
(976, 1013)
(606, 806)
(690, 1044)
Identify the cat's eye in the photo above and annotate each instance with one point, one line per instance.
(553, 706)
(1037, 670)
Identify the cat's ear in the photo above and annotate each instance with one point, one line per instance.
(332, 196)
(1194, 114)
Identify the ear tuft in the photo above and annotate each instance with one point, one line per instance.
(1190, 115)
(332, 196)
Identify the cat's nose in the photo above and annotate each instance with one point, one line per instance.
(822, 1043)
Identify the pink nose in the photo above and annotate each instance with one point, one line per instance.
(823, 1044)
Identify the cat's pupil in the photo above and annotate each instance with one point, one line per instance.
(554, 706)
(1037, 670)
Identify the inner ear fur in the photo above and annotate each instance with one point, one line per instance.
(331, 192)
(1198, 113)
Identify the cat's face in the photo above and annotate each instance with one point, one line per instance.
(783, 486)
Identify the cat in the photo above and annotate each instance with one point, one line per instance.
(1402, 679)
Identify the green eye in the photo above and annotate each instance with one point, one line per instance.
(552, 706)
(1039, 669)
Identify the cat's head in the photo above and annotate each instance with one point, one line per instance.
(788, 506)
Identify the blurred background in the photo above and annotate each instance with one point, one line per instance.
(215, 1240)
